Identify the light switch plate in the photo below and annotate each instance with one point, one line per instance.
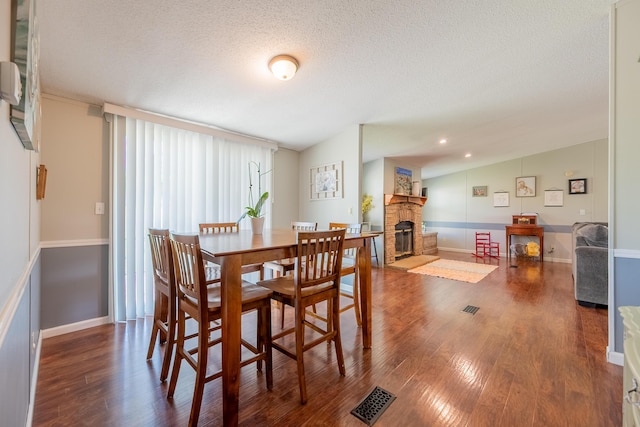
(99, 208)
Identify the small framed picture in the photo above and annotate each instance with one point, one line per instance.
(526, 186)
(479, 191)
(578, 186)
(501, 199)
(553, 197)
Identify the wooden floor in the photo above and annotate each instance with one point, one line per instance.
(530, 356)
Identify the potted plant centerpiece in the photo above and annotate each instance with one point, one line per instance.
(254, 211)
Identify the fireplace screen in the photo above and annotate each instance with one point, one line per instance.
(404, 239)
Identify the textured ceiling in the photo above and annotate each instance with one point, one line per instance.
(499, 78)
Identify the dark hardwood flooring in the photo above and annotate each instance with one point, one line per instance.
(530, 356)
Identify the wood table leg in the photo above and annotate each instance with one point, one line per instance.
(364, 265)
(231, 305)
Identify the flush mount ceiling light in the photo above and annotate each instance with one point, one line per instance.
(283, 67)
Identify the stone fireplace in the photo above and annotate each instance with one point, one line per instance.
(406, 213)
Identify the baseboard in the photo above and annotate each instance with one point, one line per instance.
(615, 357)
(34, 383)
(73, 327)
(504, 255)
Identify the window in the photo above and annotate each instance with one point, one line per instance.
(167, 177)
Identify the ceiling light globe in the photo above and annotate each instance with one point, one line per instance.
(283, 67)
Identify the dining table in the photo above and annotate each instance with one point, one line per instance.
(233, 250)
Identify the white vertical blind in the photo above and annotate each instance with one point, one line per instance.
(166, 177)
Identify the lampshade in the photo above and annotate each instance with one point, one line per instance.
(284, 67)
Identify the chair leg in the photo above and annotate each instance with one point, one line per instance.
(282, 306)
(201, 372)
(337, 340)
(299, 331)
(179, 354)
(171, 340)
(356, 298)
(152, 341)
(158, 309)
(266, 342)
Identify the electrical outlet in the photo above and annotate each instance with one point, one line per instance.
(550, 251)
(99, 208)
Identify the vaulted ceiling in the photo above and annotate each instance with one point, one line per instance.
(499, 79)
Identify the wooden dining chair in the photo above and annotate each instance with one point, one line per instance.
(227, 227)
(316, 279)
(164, 310)
(202, 304)
(283, 266)
(218, 227)
(350, 266)
(286, 266)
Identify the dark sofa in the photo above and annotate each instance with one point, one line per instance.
(591, 262)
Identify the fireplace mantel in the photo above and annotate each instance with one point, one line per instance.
(390, 199)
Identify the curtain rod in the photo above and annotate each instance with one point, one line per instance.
(134, 113)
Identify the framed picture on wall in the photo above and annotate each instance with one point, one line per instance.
(578, 186)
(479, 191)
(501, 199)
(403, 184)
(325, 182)
(526, 186)
(553, 197)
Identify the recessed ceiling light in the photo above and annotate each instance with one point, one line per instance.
(443, 141)
(467, 155)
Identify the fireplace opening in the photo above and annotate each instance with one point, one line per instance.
(404, 239)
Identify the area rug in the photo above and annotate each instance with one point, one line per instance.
(413, 261)
(455, 270)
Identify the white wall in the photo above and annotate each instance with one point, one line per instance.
(456, 215)
(624, 235)
(390, 166)
(346, 148)
(373, 184)
(286, 188)
(19, 257)
(77, 158)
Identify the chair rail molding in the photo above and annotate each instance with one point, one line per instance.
(73, 243)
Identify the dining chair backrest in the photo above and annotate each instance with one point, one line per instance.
(161, 258)
(355, 228)
(319, 258)
(164, 303)
(213, 271)
(304, 226)
(351, 228)
(189, 267)
(218, 227)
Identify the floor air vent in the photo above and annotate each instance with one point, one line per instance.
(372, 406)
(472, 309)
